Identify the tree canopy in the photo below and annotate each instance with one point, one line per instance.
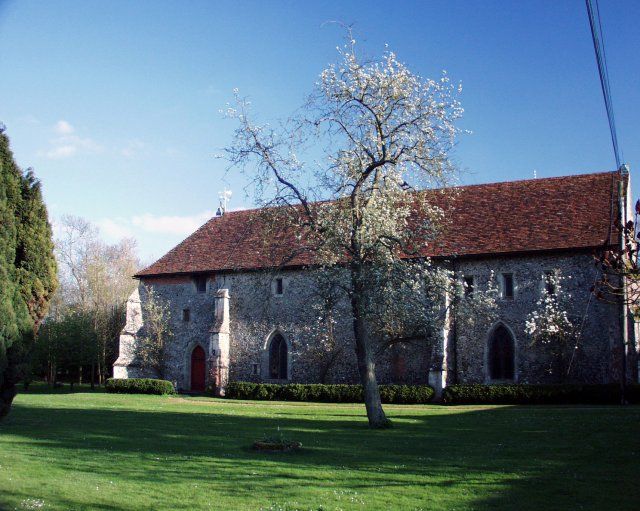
(27, 268)
(79, 341)
(385, 133)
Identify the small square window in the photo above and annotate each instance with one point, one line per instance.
(507, 285)
(469, 285)
(201, 283)
(550, 283)
(279, 287)
(186, 315)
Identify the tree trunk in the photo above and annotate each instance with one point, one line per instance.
(9, 381)
(7, 391)
(372, 401)
(103, 363)
(367, 365)
(326, 367)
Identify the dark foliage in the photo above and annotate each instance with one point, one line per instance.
(27, 270)
(65, 344)
(140, 386)
(337, 393)
(537, 394)
(632, 394)
(619, 266)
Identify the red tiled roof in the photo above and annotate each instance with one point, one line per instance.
(572, 212)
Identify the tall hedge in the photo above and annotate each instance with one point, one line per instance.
(140, 386)
(27, 268)
(532, 394)
(334, 393)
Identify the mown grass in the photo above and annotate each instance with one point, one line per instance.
(84, 450)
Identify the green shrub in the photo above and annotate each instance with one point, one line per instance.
(336, 393)
(139, 386)
(406, 394)
(632, 394)
(532, 394)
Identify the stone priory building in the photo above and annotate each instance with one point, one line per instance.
(236, 314)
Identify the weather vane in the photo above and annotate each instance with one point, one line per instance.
(224, 200)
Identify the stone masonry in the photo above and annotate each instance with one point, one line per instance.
(226, 298)
(236, 317)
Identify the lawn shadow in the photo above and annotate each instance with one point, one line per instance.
(498, 458)
(63, 388)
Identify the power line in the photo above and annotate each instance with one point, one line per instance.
(601, 60)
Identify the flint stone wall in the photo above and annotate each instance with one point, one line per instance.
(256, 314)
(593, 361)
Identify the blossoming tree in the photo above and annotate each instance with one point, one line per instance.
(620, 267)
(550, 325)
(152, 348)
(386, 134)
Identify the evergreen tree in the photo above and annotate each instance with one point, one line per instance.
(27, 269)
(34, 253)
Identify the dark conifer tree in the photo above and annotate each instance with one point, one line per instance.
(27, 269)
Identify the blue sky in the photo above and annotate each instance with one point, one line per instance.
(116, 104)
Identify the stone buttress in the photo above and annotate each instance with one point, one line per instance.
(218, 361)
(127, 366)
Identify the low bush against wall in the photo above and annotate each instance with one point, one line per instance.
(139, 386)
(538, 394)
(333, 393)
(632, 394)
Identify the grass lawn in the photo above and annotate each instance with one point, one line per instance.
(100, 451)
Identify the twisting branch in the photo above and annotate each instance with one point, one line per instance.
(620, 267)
(383, 131)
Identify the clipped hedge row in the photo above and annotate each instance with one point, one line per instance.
(139, 386)
(632, 394)
(533, 394)
(334, 393)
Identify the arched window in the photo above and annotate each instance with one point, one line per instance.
(501, 354)
(278, 358)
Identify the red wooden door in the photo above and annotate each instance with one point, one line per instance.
(197, 369)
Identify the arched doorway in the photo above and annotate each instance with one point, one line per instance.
(198, 369)
(501, 355)
(278, 362)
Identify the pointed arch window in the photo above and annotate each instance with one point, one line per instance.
(278, 358)
(501, 354)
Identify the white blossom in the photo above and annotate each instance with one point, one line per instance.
(551, 326)
(385, 134)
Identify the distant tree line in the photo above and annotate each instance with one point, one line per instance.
(78, 341)
(27, 270)
(62, 302)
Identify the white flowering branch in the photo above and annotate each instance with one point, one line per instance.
(550, 325)
(385, 132)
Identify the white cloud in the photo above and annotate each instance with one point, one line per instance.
(115, 229)
(86, 144)
(133, 148)
(56, 227)
(30, 119)
(68, 144)
(62, 127)
(62, 151)
(182, 225)
(173, 152)
(154, 233)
